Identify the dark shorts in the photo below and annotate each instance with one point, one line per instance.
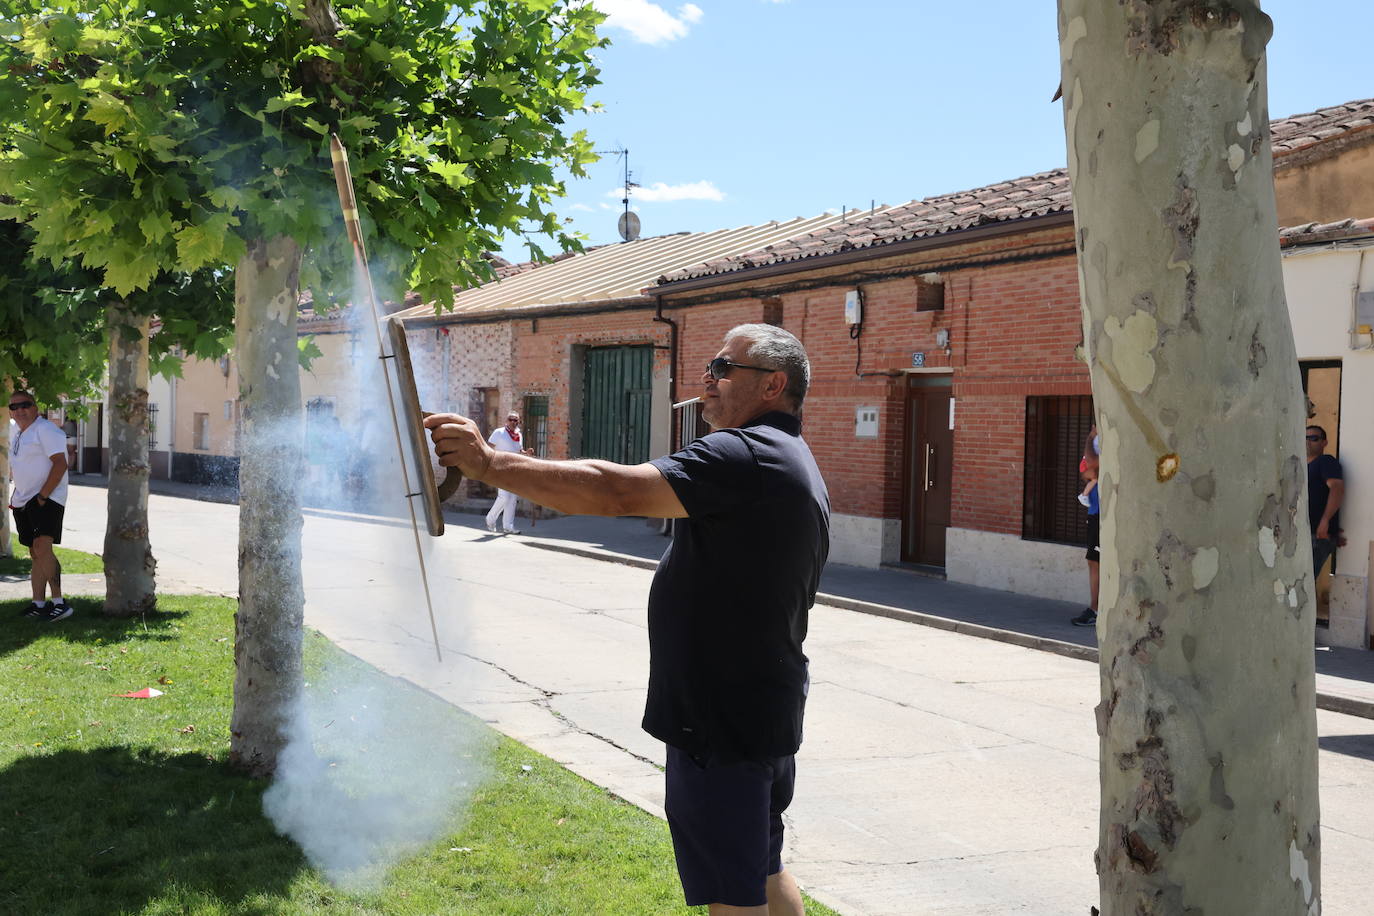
(34, 521)
(1322, 550)
(1094, 553)
(726, 822)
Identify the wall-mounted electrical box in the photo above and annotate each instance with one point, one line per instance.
(1364, 312)
(853, 308)
(865, 422)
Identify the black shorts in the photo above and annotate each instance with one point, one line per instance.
(34, 521)
(1094, 540)
(726, 822)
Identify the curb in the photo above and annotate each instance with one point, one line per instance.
(1332, 702)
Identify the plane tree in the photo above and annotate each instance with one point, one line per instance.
(1207, 720)
(179, 135)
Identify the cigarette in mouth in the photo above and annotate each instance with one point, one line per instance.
(686, 402)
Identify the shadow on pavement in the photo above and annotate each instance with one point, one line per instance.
(110, 830)
(1349, 745)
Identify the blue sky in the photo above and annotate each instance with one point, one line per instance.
(742, 111)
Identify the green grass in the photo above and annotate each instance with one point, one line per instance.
(120, 806)
(73, 561)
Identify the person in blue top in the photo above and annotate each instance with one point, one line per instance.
(728, 607)
(1090, 498)
(1325, 493)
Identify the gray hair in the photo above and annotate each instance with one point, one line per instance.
(778, 349)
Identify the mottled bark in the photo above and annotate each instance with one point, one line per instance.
(268, 636)
(1207, 720)
(6, 538)
(130, 586)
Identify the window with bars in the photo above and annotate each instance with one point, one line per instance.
(1056, 430)
(152, 426)
(534, 420)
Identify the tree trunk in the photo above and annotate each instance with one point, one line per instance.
(1207, 720)
(6, 539)
(129, 565)
(268, 637)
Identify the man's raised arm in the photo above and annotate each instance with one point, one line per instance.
(586, 486)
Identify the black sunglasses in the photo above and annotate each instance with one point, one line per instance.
(1314, 438)
(720, 367)
(21, 405)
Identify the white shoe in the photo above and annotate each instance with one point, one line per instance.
(510, 530)
(491, 526)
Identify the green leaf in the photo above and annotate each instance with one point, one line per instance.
(156, 226)
(308, 351)
(454, 173)
(293, 99)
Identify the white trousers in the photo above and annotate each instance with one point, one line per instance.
(504, 505)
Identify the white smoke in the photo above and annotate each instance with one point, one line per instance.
(373, 773)
(374, 769)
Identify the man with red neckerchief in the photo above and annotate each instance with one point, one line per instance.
(506, 439)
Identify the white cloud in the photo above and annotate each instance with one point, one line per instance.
(659, 192)
(649, 22)
(583, 208)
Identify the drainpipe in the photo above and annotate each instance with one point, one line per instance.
(672, 363)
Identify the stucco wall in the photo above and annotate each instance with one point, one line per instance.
(1327, 188)
(1320, 284)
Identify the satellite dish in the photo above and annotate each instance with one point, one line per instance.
(628, 225)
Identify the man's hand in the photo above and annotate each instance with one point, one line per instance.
(1323, 531)
(459, 444)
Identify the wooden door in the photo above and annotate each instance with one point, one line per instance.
(929, 452)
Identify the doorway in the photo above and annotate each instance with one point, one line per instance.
(928, 469)
(1321, 385)
(616, 403)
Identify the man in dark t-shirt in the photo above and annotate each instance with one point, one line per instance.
(1325, 493)
(728, 607)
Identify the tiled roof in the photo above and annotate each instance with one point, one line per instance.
(1300, 131)
(1022, 198)
(1036, 195)
(617, 272)
(1325, 232)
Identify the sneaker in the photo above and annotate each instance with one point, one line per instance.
(1086, 619)
(59, 611)
(510, 531)
(491, 526)
(37, 610)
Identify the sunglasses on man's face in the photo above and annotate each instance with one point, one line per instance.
(21, 405)
(1314, 438)
(720, 367)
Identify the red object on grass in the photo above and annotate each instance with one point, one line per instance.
(147, 693)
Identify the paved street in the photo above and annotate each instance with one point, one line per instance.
(941, 774)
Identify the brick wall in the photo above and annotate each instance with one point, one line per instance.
(1013, 330)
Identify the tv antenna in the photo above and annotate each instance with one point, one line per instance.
(628, 224)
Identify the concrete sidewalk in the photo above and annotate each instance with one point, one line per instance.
(1345, 677)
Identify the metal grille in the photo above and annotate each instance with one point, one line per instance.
(690, 426)
(152, 426)
(535, 419)
(1056, 430)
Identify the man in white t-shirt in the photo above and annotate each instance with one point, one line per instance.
(38, 467)
(506, 439)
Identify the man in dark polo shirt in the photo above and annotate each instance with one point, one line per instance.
(727, 610)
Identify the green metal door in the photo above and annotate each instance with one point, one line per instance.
(616, 403)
